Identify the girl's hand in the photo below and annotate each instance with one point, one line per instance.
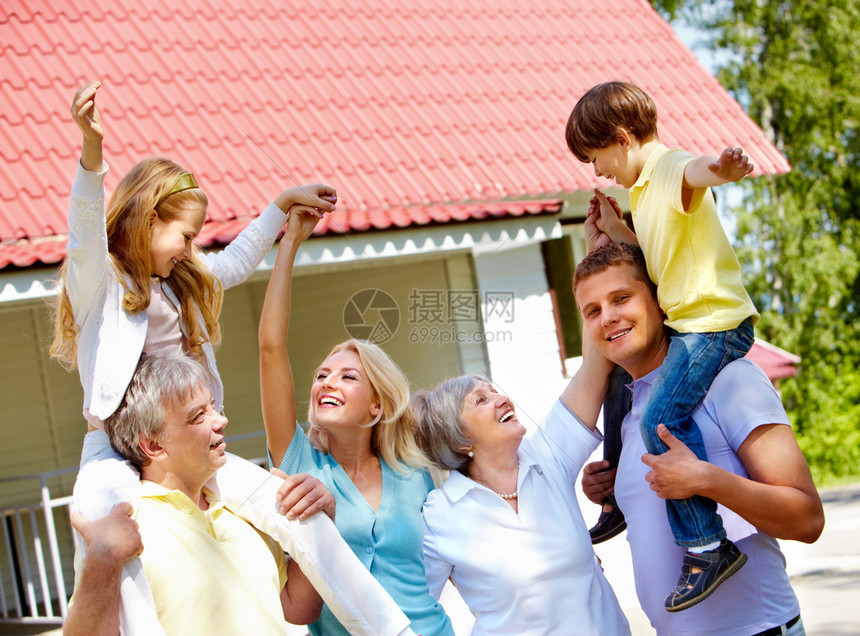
(315, 195)
(87, 117)
(302, 496)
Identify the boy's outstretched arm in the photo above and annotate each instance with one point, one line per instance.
(706, 171)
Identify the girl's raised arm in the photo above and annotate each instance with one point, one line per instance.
(277, 390)
(87, 117)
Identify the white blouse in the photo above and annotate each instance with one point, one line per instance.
(532, 571)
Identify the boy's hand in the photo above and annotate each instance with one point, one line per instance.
(605, 223)
(594, 238)
(316, 196)
(88, 119)
(732, 165)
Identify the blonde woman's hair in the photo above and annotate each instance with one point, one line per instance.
(393, 436)
(145, 188)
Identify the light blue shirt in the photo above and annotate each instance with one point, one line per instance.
(388, 541)
(760, 595)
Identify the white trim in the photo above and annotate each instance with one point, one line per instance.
(29, 284)
(361, 249)
(481, 237)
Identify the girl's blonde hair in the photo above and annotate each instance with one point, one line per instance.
(145, 188)
(393, 435)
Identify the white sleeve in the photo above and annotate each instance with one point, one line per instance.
(88, 266)
(104, 480)
(562, 438)
(436, 569)
(236, 262)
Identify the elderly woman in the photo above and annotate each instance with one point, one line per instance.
(506, 526)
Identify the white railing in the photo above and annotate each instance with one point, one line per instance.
(26, 528)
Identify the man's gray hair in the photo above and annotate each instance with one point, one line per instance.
(439, 427)
(158, 384)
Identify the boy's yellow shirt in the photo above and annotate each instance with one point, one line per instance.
(699, 280)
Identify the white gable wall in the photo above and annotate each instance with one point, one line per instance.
(522, 346)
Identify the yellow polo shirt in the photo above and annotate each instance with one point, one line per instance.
(210, 572)
(699, 282)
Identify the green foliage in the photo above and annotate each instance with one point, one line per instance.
(793, 65)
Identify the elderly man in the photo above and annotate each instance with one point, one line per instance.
(209, 570)
(756, 472)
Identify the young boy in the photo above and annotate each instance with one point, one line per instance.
(699, 288)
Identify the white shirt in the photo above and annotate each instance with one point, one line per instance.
(759, 595)
(531, 572)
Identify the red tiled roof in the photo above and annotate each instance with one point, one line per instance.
(777, 363)
(398, 104)
(53, 250)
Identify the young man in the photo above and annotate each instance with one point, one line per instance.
(756, 472)
(700, 289)
(210, 571)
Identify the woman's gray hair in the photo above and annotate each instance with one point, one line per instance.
(439, 427)
(157, 385)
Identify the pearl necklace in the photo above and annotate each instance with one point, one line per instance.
(513, 495)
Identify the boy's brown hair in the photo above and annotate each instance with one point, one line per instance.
(604, 109)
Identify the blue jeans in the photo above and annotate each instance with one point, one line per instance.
(692, 363)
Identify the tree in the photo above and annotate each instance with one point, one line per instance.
(793, 66)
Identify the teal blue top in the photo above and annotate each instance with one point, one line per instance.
(389, 541)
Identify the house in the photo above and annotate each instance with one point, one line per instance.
(441, 125)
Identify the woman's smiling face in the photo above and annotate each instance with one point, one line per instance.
(341, 394)
(489, 417)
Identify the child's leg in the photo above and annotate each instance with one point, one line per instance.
(354, 596)
(104, 480)
(616, 405)
(692, 363)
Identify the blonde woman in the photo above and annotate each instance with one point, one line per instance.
(360, 444)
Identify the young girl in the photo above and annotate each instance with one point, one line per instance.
(134, 284)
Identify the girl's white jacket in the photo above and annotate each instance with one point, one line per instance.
(110, 340)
